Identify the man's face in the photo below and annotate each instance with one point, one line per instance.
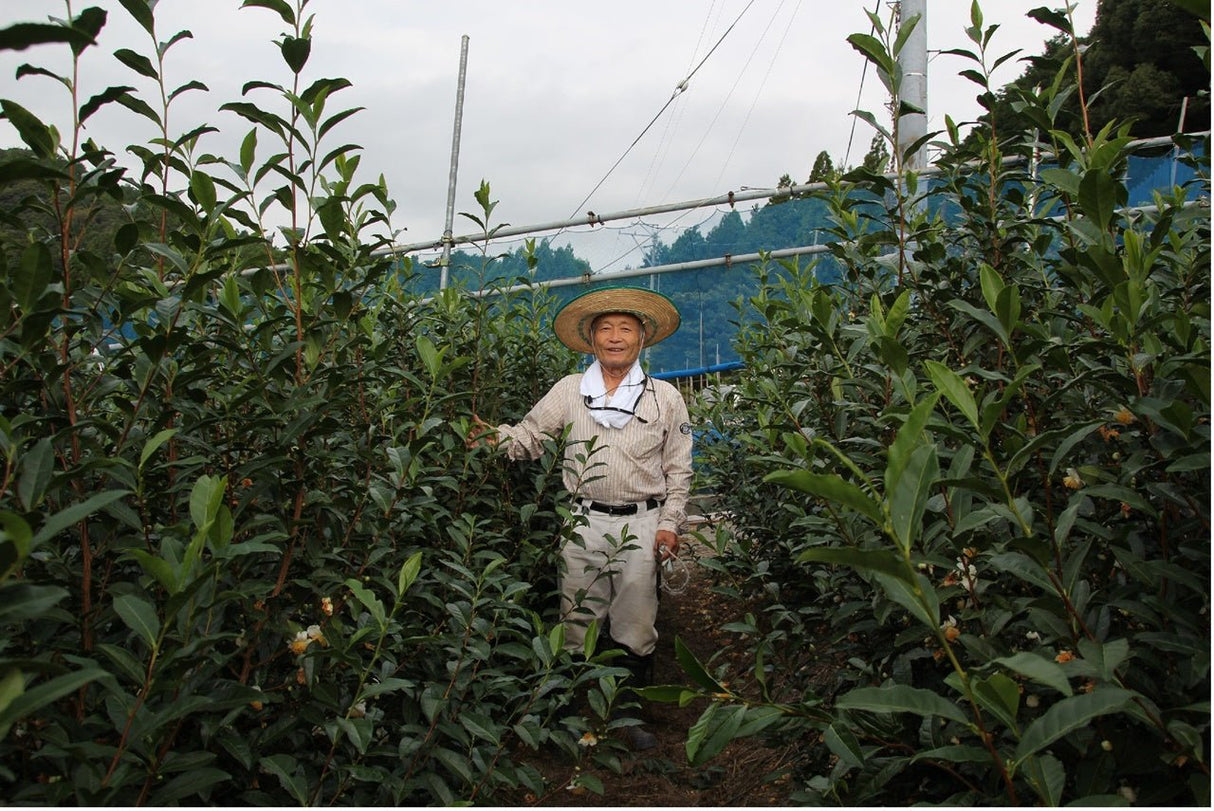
(617, 340)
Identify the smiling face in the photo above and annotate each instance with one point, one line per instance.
(617, 339)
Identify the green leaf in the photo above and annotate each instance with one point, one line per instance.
(36, 469)
(1106, 657)
(25, 35)
(203, 189)
(74, 515)
(866, 561)
(1000, 696)
(295, 52)
(843, 744)
(12, 685)
(1047, 776)
(916, 596)
(950, 384)
(155, 442)
(694, 670)
(34, 275)
(1069, 714)
(283, 767)
(140, 616)
(15, 536)
(409, 571)
(992, 284)
(830, 487)
(1098, 197)
(25, 601)
(713, 731)
(369, 601)
(431, 357)
(141, 10)
(281, 7)
(910, 436)
(36, 135)
(188, 786)
(910, 495)
(899, 698)
(35, 698)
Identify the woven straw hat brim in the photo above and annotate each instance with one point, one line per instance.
(657, 313)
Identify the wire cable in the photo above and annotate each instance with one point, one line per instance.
(859, 93)
(678, 90)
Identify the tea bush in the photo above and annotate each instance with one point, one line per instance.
(982, 471)
(246, 557)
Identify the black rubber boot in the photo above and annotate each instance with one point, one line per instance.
(640, 669)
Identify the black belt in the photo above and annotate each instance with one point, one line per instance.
(619, 509)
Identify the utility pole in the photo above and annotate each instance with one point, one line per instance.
(913, 61)
(448, 237)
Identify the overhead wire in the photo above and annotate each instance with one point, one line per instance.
(762, 83)
(659, 154)
(680, 88)
(859, 94)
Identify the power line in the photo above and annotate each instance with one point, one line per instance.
(859, 92)
(679, 89)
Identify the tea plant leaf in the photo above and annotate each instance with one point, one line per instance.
(15, 537)
(712, 732)
(284, 767)
(24, 601)
(155, 442)
(915, 594)
(33, 277)
(140, 616)
(409, 571)
(36, 468)
(899, 698)
(884, 561)
(955, 753)
(1000, 696)
(36, 135)
(75, 514)
(1047, 776)
(908, 500)
(830, 487)
(1069, 714)
(35, 698)
(694, 670)
(842, 742)
(950, 384)
(193, 783)
(369, 601)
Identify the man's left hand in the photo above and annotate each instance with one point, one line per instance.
(666, 545)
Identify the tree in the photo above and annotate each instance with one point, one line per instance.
(824, 168)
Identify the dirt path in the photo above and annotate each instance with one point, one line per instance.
(662, 776)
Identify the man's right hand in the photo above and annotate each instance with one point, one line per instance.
(480, 433)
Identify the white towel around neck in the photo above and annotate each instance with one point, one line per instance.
(625, 395)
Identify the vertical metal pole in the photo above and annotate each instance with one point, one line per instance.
(445, 262)
(913, 60)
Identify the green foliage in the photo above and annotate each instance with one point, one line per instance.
(971, 485)
(246, 557)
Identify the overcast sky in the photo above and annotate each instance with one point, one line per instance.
(556, 93)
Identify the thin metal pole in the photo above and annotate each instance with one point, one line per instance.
(459, 118)
(913, 60)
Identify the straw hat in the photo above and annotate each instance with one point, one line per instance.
(656, 312)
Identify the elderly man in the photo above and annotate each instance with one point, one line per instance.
(627, 464)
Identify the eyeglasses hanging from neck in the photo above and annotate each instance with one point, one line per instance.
(589, 401)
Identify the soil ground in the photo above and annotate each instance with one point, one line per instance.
(662, 777)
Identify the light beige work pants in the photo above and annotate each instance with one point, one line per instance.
(608, 572)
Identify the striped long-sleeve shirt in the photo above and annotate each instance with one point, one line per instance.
(650, 457)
